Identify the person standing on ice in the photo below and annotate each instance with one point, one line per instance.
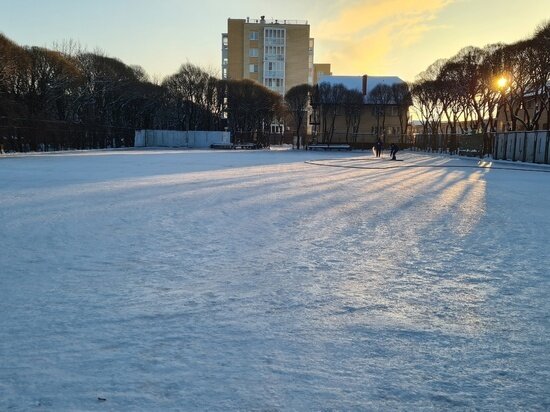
(378, 148)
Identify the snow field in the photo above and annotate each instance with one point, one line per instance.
(201, 280)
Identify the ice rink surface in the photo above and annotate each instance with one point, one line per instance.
(272, 280)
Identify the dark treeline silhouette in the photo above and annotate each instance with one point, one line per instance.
(73, 99)
(328, 101)
(480, 88)
(331, 101)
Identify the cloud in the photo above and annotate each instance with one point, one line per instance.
(366, 35)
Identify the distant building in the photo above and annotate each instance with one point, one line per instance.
(526, 109)
(320, 70)
(370, 126)
(275, 53)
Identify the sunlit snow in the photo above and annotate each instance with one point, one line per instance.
(272, 280)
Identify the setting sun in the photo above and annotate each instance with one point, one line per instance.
(502, 82)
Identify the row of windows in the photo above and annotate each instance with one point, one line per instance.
(273, 41)
(269, 51)
(269, 82)
(272, 33)
(274, 50)
(270, 66)
(277, 128)
(275, 33)
(275, 65)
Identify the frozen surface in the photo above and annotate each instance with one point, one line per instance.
(201, 280)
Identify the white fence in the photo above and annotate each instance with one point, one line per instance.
(533, 147)
(176, 138)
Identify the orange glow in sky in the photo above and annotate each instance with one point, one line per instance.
(376, 37)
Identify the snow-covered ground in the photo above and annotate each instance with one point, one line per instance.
(272, 280)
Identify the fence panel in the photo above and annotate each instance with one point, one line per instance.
(520, 147)
(530, 144)
(525, 146)
(177, 138)
(500, 146)
(541, 147)
(510, 145)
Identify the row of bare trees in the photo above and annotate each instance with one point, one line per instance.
(472, 90)
(329, 101)
(384, 97)
(71, 98)
(45, 94)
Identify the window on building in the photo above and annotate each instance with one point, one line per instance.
(276, 128)
(253, 35)
(253, 68)
(253, 52)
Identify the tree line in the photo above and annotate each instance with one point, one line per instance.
(68, 98)
(470, 91)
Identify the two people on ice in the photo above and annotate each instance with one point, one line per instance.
(378, 149)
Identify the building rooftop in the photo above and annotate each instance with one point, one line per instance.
(263, 20)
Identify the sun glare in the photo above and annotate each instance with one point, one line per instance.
(502, 82)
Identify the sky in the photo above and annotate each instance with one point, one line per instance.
(376, 37)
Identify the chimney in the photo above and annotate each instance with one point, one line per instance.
(262, 19)
(365, 79)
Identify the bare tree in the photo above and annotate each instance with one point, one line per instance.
(353, 104)
(14, 65)
(189, 87)
(251, 108)
(297, 99)
(381, 97)
(401, 96)
(540, 74)
(328, 99)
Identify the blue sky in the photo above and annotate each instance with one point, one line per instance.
(377, 37)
